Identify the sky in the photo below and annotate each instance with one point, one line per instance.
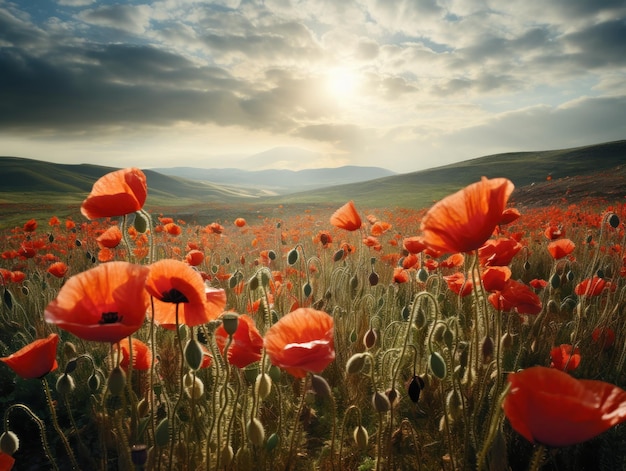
(255, 84)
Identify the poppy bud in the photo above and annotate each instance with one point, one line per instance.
(292, 256)
(93, 382)
(140, 223)
(265, 279)
(486, 349)
(373, 278)
(263, 385)
(272, 442)
(71, 366)
(117, 381)
(555, 281)
(353, 336)
(393, 395)
(464, 354)
(196, 389)
(193, 354)
(369, 339)
(256, 432)
(139, 454)
(9, 443)
(448, 338)
(307, 289)
(162, 433)
(381, 402)
(437, 365)
(614, 220)
(230, 322)
(271, 255)
(361, 437)
(570, 275)
(506, 342)
(320, 386)
(253, 283)
(422, 275)
(600, 273)
(414, 389)
(438, 331)
(65, 384)
(227, 455)
(338, 255)
(69, 351)
(355, 363)
(143, 407)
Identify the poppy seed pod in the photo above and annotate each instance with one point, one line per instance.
(256, 432)
(9, 443)
(361, 437)
(230, 322)
(381, 402)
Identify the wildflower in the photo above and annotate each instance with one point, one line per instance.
(194, 257)
(246, 345)
(498, 252)
(548, 406)
(458, 284)
(346, 217)
(379, 228)
(495, 278)
(400, 275)
(110, 238)
(302, 341)
(591, 286)
(414, 244)
(508, 216)
(36, 359)
(553, 232)
(30, 226)
(538, 284)
(324, 238)
(58, 269)
(240, 222)
(463, 221)
(103, 304)
(561, 248)
(565, 357)
(453, 261)
(604, 337)
(142, 356)
(516, 296)
(116, 194)
(179, 290)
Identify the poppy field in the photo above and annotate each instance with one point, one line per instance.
(474, 334)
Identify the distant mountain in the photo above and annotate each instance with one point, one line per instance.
(278, 182)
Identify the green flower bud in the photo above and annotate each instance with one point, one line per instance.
(256, 432)
(65, 384)
(193, 354)
(117, 381)
(361, 437)
(263, 385)
(9, 443)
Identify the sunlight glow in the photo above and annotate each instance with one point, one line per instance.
(343, 83)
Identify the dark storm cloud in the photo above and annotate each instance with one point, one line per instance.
(600, 45)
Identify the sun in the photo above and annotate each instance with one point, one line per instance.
(343, 82)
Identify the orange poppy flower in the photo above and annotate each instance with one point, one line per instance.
(54, 221)
(565, 357)
(194, 257)
(58, 269)
(379, 228)
(414, 244)
(516, 296)
(18, 276)
(110, 238)
(36, 359)
(463, 221)
(302, 341)
(553, 232)
(30, 225)
(548, 406)
(240, 222)
(561, 248)
(498, 252)
(495, 278)
(173, 229)
(453, 261)
(142, 356)
(346, 217)
(105, 255)
(591, 286)
(509, 215)
(400, 275)
(116, 194)
(538, 283)
(175, 285)
(458, 284)
(103, 304)
(246, 345)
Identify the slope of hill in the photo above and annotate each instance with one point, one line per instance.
(280, 181)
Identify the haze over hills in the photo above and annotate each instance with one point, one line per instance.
(602, 167)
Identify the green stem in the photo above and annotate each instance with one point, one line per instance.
(55, 423)
(294, 432)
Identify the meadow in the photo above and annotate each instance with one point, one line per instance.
(471, 334)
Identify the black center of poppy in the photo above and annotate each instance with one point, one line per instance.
(174, 296)
(110, 318)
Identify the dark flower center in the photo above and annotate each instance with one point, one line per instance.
(174, 296)
(110, 318)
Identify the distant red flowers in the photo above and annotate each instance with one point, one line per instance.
(103, 304)
(565, 357)
(58, 269)
(301, 342)
(36, 359)
(550, 407)
(463, 221)
(142, 356)
(516, 296)
(116, 194)
(561, 248)
(346, 217)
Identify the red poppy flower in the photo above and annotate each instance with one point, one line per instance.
(175, 285)
(565, 357)
(58, 269)
(142, 356)
(410, 261)
(116, 194)
(495, 278)
(103, 304)
(561, 248)
(400, 275)
(214, 228)
(516, 296)
(603, 336)
(30, 226)
(414, 244)
(18, 276)
(301, 341)
(173, 229)
(246, 345)
(453, 261)
(498, 252)
(538, 284)
(548, 406)
(458, 284)
(240, 222)
(463, 221)
(591, 286)
(379, 228)
(194, 257)
(508, 216)
(324, 238)
(54, 221)
(553, 232)
(346, 217)
(36, 359)
(105, 255)
(6, 462)
(110, 238)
